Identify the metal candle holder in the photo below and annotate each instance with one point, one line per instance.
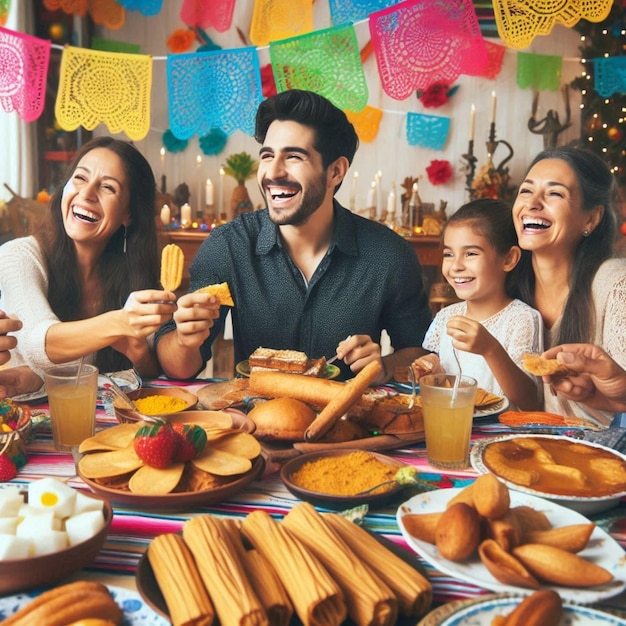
(498, 172)
(471, 160)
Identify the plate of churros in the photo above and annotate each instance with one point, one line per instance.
(260, 569)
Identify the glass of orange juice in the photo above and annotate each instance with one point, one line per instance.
(447, 419)
(72, 390)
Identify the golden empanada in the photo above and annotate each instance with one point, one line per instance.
(538, 366)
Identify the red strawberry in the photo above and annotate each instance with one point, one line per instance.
(8, 471)
(155, 444)
(191, 441)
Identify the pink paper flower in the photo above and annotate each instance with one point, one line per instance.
(439, 172)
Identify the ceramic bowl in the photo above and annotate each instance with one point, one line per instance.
(20, 574)
(337, 501)
(125, 416)
(587, 505)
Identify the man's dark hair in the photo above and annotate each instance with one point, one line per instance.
(334, 134)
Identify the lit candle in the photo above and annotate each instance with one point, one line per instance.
(391, 201)
(415, 195)
(371, 196)
(185, 214)
(220, 196)
(166, 215)
(355, 179)
(379, 194)
(472, 122)
(493, 107)
(209, 193)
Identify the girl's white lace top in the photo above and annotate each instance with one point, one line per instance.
(517, 327)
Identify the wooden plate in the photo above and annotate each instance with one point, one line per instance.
(182, 500)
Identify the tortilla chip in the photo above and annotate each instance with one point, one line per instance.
(221, 463)
(238, 443)
(538, 366)
(113, 438)
(152, 481)
(484, 398)
(113, 463)
(221, 291)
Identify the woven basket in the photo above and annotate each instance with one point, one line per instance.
(24, 428)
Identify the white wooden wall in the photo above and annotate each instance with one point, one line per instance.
(390, 152)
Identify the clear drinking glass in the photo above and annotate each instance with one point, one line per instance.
(72, 399)
(447, 419)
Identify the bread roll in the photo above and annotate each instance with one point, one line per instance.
(281, 419)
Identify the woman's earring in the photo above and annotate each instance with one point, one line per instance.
(586, 233)
(124, 246)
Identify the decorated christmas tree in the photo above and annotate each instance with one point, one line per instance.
(602, 118)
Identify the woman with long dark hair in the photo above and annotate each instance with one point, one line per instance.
(566, 226)
(86, 284)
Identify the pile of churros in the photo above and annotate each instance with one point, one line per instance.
(321, 567)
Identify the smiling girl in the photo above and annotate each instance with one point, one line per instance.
(489, 328)
(566, 225)
(86, 284)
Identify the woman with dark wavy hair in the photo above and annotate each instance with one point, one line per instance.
(566, 226)
(86, 284)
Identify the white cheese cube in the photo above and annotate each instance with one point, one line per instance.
(8, 525)
(84, 503)
(11, 499)
(47, 542)
(32, 525)
(12, 547)
(84, 526)
(52, 495)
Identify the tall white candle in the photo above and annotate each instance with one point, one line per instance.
(166, 215)
(391, 201)
(371, 196)
(162, 151)
(472, 122)
(493, 107)
(185, 214)
(209, 200)
(379, 194)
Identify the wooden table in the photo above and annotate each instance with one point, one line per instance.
(133, 528)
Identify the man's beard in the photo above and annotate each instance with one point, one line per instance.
(311, 201)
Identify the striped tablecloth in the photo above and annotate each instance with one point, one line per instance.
(132, 529)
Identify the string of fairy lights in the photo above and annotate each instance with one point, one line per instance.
(587, 76)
